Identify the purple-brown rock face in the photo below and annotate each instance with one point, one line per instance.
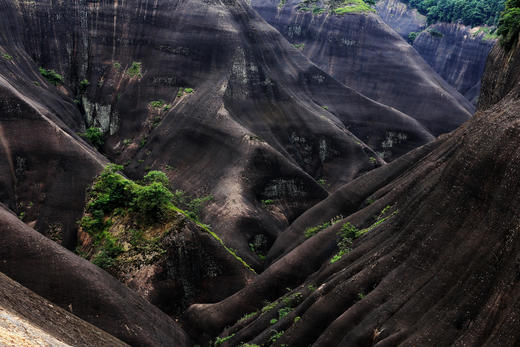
(361, 51)
(456, 52)
(212, 95)
(428, 255)
(205, 91)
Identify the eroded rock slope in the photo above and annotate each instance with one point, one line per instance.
(361, 51)
(429, 258)
(205, 91)
(456, 52)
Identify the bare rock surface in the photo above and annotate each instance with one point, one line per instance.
(458, 54)
(75, 284)
(27, 319)
(361, 51)
(206, 91)
(434, 260)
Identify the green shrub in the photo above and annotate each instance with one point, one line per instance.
(267, 202)
(247, 316)
(412, 36)
(135, 70)
(269, 306)
(346, 237)
(157, 103)
(509, 26)
(83, 85)
(94, 136)
(469, 12)
(117, 65)
(353, 6)
(435, 33)
(152, 200)
(110, 191)
(276, 336)
(52, 76)
(7, 56)
(192, 205)
(221, 340)
(349, 233)
(284, 312)
(309, 232)
(106, 258)
(188, 90)
(156, 176)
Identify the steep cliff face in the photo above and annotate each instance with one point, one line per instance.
(226, 108)
(428, 259)
(502, 75)
(457, 53)
(362, 52)
(401, 17)
(207, 92)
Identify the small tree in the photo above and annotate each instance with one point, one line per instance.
(83, 85)
(94, 136)
(509, 26)
(412, 36)
(152, 201)
(51, 76)
(156, 176)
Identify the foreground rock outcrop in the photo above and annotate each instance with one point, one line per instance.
(27, 319)
(77, 285)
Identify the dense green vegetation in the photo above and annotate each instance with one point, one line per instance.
(94, 136)
(52, 76)
(337, 6)
(146, 204)
(135, 70)
(469, 12)
(509, 24)
(353, 6)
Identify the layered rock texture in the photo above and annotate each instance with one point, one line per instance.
(80, 287)
(456, 52)
(361, 51)
(27, 319)
(418, 249)
(428, 255)
(401, 17)
(226, 108)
